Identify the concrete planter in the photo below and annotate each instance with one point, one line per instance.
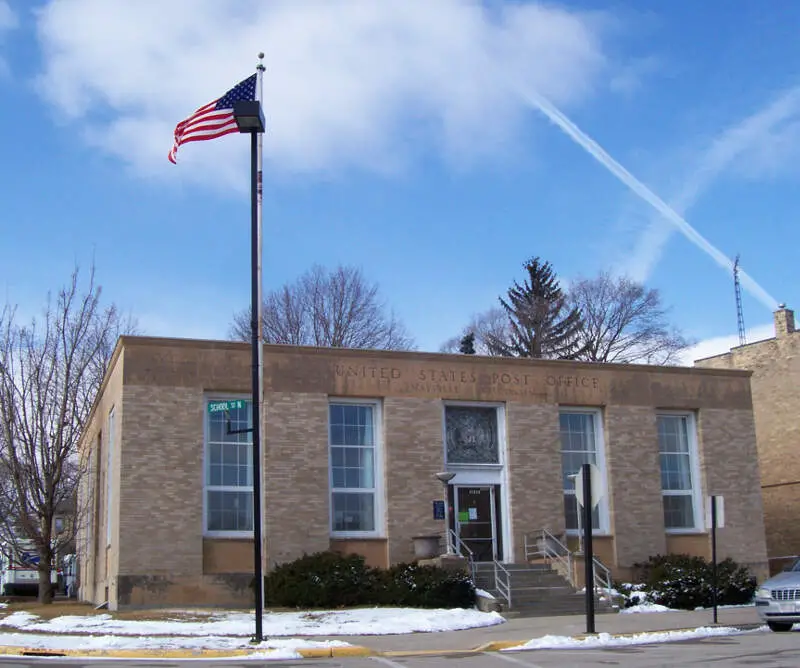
(426, 547)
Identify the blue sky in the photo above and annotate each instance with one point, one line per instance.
(401, 139)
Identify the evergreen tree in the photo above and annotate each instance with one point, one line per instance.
(467, 346)
(541, 323)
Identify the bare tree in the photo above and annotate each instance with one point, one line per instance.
(624, 322)
(493, 323)
(336, 309)
(50, 371)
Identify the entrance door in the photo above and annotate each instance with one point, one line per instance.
(476, 520)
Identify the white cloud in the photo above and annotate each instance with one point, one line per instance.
(8, 21)
(756, 147)
(722, 344)
(348, 84)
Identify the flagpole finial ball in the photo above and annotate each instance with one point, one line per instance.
(260, 55)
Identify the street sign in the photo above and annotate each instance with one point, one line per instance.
(230, 405)
(598, 492)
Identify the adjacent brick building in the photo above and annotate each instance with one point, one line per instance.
(775, 365)
(353, 440)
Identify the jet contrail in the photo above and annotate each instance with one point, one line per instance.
(640, 189)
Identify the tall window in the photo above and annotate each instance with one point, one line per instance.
(580, 444)
(229, 471)
(109, 474)
(353, 468)
(676, 448)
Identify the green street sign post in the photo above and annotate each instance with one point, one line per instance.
(218, 406)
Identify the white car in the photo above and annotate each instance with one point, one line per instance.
(778, 599)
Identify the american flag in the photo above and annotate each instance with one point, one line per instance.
(214, 119)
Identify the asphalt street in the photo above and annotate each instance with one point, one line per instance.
(762, 649)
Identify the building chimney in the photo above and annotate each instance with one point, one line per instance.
(784, 321)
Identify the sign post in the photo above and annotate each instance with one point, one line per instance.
(588, 492)
(715, 512)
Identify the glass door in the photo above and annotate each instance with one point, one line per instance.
(476, 520)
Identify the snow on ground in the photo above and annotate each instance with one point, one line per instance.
(362, 621)
(645, 607)
(607, 640)
(272, 649)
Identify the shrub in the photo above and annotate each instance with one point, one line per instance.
(427, 587)
(321, 580)
(685, 582)
(332, 580)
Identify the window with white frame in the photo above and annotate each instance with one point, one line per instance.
(109, 474)
(354, 472)
(581, 443)
(229, 471)
(677, 449)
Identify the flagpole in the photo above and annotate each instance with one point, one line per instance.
(257, 362)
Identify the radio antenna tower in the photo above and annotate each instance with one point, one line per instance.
(739, 315)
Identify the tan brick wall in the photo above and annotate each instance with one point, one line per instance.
(99, 561)
(296, 475)
(162, 481)
(414, 453)
(727, 454)
(775, 364)
(374, 550)
(227, 555)
(534, 460)
(634, 477)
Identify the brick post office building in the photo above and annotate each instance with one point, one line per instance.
(775, 365)
(353, 440)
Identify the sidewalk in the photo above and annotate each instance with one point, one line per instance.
(519, 630)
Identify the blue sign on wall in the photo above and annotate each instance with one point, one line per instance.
(438, 510)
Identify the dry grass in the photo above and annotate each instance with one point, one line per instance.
(59, 608)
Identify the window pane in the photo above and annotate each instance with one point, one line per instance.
(678, 512)
(229, 464)
(471, 435)
(352, 434)
(578, 447)
(353, 511)
(676, 471)
(230, 511)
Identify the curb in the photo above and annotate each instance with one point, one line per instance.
(315, 652)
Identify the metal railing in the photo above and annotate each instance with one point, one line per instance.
(544, 545)
(503, 586)
(460, 548)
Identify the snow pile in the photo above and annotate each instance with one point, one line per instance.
(363, 621)
(607, 640)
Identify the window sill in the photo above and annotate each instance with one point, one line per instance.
(242, 535)
(354, 537)
(685, 532)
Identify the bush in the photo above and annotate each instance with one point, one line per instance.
(332, 580)
(684, 582)
(426, 587)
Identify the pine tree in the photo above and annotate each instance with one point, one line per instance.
(467, 346)
(541, 324)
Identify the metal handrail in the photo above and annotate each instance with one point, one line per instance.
(544, 544)
(503, 588)
(460, 547)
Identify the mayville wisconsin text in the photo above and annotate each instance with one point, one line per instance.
(437, 380)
